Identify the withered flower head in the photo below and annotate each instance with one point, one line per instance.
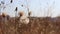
(29, 13)
(4, 14)
(21, 13)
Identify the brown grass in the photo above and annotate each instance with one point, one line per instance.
(45, 25)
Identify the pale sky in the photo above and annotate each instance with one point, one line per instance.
(39, 8)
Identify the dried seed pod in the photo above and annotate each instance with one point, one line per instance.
(4, 14)
(29, 13)
(11, 1)
(16, 9)
(21, 13)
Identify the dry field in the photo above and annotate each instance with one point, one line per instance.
(38, 25)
